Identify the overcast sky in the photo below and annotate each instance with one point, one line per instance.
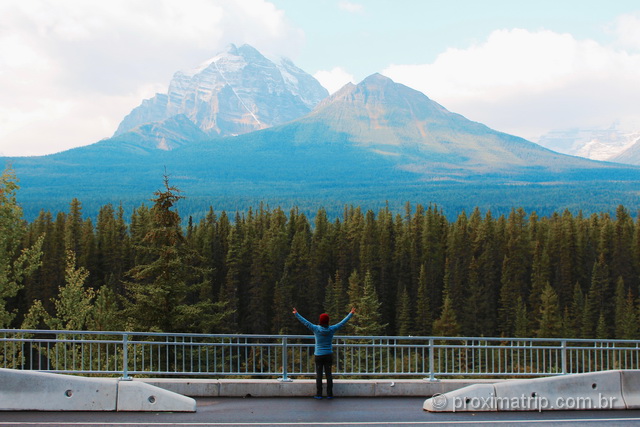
(70, 70)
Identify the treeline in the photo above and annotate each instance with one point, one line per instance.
(413, 273)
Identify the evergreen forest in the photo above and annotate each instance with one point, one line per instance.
(409, 273)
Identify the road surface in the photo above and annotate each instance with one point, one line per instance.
(308, 411)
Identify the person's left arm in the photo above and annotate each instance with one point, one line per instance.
(302, 320)
(343, 321)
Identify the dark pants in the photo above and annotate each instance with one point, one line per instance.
(324, 363)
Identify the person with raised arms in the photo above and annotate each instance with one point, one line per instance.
(324, 348)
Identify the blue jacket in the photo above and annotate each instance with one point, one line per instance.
(324, 334)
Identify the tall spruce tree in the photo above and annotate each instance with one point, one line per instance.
(550, 325)
(404, 314)
(335, 297)
(368, 321)
(599, 302)
(424, 314)
(626, 322)
(575, 313)
(521, 327)
(164, 294)
(515, 275)
(447, 324)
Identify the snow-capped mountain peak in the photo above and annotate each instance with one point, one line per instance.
(234, 92)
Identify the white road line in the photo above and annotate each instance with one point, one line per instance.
(333, 423)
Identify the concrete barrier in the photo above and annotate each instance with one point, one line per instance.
(480, 397)
(138, 396)
(192, 387)
(594, 390)
(307, 387)
(630, 380)
(39, 391)
(588, 391)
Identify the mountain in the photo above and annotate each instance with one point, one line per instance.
(368, 144)
(631, 152)
(595, 144)
(421, 136)
(235, 92)
(166, 134)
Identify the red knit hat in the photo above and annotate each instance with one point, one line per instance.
(324, 319)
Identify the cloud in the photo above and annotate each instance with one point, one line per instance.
(351, 7)
(627, 30)
(333, 79)
(528, 83)
(72, 69)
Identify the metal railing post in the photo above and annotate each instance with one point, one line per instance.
(125, 357)
(285, 362)
(564, 357)
(432, 367)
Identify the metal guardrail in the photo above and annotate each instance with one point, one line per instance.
(160, 354)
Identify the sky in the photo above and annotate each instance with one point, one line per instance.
(70, 70)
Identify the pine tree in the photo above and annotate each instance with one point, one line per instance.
(622, 262)
(73, 229)
(113, 248)
(368, 321)
(322, 260)
(567, 257)
(602, 330)
(626, 325)
(434, 254)
(515, 274)
(260, 291)
(539, 280)
(470, 318)
(74, 305)
(447, 324)
(231, 290)
(164, 294)
(354, 292)
(387, 278)
(369, 245)
(508, 294)
(550, 314)
(15, 263)
(294, 286)
(484, 275)
(336, 297)
(457, 262)
(620, 300)
(404, 317)
(629, 325)
(599, 302)
(106, 313)
(575, 313)
(283, 302)
(521, 327)
(424, 315)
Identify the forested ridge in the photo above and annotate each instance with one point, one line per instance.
(410, 273)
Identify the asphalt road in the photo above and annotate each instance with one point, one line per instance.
(308, 411)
